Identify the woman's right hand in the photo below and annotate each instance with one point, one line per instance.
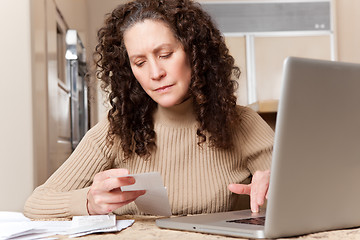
(105, 193)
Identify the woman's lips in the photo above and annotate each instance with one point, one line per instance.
(164, 88)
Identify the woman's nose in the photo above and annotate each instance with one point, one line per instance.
(157, 71)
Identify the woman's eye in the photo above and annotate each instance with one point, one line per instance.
(166, 55)
(139, 64)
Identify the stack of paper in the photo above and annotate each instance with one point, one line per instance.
(155, 201)
(84, 225)
(14, 225)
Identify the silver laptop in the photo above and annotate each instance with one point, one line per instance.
(315, 172)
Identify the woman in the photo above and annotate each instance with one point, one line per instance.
(167, 72)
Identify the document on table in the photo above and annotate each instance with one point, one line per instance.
(16, 225)
(85, 225)
(155, 201)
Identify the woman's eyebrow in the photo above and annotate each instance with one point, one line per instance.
(155, 50)
(162, 46)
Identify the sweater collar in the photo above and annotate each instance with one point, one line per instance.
(180, 115)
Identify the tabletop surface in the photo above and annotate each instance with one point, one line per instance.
(144, 228)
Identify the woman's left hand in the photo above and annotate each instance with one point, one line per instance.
(257, 189)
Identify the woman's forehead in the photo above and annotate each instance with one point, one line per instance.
(149, 35)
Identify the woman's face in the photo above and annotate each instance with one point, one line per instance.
(158, 62)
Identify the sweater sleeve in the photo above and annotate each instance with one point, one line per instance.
(64, 194)
(257, 139)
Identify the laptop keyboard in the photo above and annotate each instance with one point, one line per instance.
(254, 221)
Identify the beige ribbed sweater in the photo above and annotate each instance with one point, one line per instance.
(196, 177)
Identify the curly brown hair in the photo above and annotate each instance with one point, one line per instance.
(211, 87)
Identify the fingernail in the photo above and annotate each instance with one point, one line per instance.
(255, 210)
(132, 180)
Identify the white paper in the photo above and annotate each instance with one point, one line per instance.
(89, 223)
(16, 226)
(155, 201)
(13, 229)
(12, 217)
(55, 227)
(13, 224)
(32, 229)
(120, 225)
(144, 181)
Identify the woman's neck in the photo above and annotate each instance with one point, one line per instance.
(180, 115)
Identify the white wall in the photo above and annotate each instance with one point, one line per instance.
(16, 142)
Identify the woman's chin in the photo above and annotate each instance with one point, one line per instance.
(168, 103)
